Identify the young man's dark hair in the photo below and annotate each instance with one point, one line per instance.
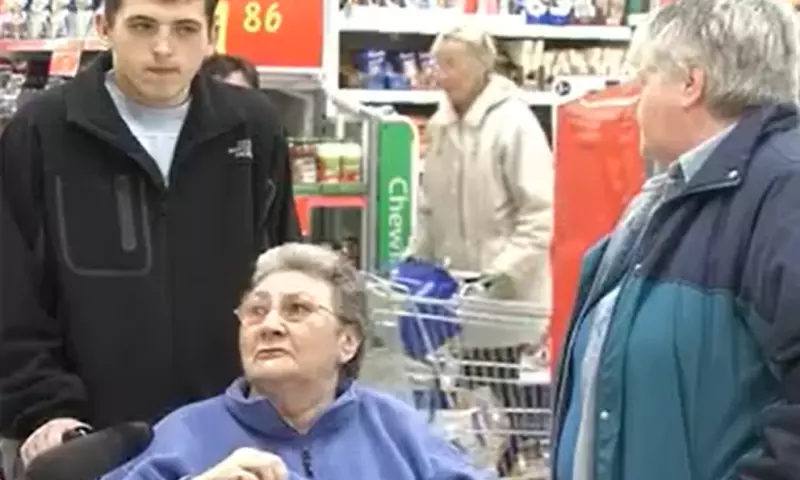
(111, 7)
(134, 201)
(231, 69)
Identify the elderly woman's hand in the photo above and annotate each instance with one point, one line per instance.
(248, 464)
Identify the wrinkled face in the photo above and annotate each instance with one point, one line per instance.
(662, 114)
(459, 72)
(289, 331)
(158, 47)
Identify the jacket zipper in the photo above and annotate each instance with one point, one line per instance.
(163, 211)
(462, 228)
(307, 467)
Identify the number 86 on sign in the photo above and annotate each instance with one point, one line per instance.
(257, 18)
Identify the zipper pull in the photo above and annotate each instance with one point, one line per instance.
(307, 467)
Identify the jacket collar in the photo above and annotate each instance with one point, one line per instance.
(259, 414)
(89, 105)
(730, 160)
(498, 90)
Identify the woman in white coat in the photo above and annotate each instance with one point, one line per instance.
(486, 203)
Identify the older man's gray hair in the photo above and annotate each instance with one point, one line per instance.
(748, 50)
(349, 296)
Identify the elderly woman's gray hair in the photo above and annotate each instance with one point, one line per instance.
(748, 50)
(480, 43)
(349, 296)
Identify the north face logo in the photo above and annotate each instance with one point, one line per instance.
(243, 149)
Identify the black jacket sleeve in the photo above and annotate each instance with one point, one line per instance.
(34, 384)
(276, 211)
(772, 277)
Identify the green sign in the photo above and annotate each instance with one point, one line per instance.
(397, 147)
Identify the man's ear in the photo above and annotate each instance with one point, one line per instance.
(213, 37)
(102, 26)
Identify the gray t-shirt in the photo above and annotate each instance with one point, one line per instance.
(156, 129)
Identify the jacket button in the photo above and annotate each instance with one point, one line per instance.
(604, 415)
(637, 267)
(733, 174)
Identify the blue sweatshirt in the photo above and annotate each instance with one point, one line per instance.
(363, 435)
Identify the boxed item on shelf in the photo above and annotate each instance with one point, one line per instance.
(375, 69)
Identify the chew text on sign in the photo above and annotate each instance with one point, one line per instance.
(260, 30)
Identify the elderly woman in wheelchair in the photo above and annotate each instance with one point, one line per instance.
(299, 412)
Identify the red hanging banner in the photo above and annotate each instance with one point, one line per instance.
(272, 33)
(598, 171)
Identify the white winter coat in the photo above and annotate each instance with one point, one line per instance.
(486, 202)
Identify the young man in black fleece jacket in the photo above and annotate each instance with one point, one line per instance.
(134, 201)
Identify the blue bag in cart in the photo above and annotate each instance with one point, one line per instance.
(433, 324)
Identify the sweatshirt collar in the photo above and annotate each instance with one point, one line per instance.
(258, 413)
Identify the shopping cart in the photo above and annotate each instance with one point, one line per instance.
(471, 363)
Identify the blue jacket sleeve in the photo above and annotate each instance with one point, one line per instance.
(771, 279)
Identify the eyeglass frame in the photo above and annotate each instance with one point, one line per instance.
(317, 307)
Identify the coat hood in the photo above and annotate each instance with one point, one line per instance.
(498, 90)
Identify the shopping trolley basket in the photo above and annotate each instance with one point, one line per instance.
(469, 361)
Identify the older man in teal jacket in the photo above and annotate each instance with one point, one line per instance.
(686, 329)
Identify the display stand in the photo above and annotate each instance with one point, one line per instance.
(398, 176)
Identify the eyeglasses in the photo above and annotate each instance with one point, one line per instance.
(291, 308)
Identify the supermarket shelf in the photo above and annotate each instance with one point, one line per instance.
(49, 45)
(329, 189)
(565, 88)
(412, 21)
(425, 97)
(393, 97)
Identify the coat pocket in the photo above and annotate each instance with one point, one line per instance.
(127, 228)
(103, 225)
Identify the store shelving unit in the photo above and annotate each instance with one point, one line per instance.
(410, 28)
(399, 21)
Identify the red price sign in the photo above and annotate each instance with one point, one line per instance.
(272, 33)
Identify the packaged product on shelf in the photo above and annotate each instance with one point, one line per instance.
(11, 19)
(508, 68)
(371, 64)
(330, 162)
(351, 155)
(38, 19)
(585, 11)
(18, 10)
(535, 11)
(84, 18)
(303, 155)
(62, 19)
(427, 70)
(613, 60)
(396, 78)
(614, 11)
(578, 61)
(409, 68)
(559, 12)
